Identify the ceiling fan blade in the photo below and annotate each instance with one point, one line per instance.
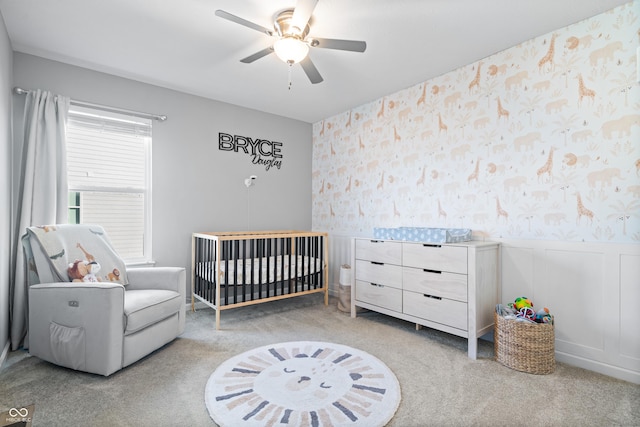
(311, 71)
(241, 21)
(302, 13)
(350, 45)
(264, 52)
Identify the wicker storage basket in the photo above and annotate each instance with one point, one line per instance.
(524, 346)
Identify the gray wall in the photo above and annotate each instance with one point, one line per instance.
(6, 61)
(196, 186)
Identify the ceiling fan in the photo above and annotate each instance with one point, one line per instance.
(291, 28)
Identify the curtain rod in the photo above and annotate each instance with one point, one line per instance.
(77, 103)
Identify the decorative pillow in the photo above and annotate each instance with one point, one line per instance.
(81, 253)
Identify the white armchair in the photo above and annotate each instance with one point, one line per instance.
(103, 319)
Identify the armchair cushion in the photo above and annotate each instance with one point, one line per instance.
(146, 307)
(80, 253)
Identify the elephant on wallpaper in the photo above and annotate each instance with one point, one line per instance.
(622, 126)
(604, 176)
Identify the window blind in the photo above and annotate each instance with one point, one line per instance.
(108, 165)
(106, 152)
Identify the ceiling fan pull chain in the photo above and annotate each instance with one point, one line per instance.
(290, 67)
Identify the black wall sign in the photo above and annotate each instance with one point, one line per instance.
(262, 151)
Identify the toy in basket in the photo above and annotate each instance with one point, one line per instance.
(522, 309)
(524, 339)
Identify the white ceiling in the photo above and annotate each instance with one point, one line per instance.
(182, 45)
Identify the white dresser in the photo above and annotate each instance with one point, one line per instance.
(452, 287)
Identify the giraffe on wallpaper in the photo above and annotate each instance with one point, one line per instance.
(584, 91)
(582, 211)
(396, 135)
(423, 177)
(381, 112)
(501, 111)
(476, 81)
(474, 175)
(441, 212)
(441, 126)
(548, 58)
(547, 168)
(423, 97)
(501, 212)
(381, 183)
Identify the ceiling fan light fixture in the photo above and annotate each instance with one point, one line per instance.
(291, 49)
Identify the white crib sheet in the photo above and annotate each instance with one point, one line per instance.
(305, 266)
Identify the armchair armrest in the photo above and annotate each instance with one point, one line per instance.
(169, 278)
(78, 325)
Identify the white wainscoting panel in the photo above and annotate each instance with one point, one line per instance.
(630, 309)
(339, 254)
(592, 289)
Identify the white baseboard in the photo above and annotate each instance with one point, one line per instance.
(601, 368)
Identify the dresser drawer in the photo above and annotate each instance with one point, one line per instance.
(379, 273)
(379, 295)
(440, 310)
(435, 257)
(379, 251)
(440, 284)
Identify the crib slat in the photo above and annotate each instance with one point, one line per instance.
(264, 288)
(255, 286)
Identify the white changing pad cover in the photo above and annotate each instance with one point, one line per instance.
(305, 265)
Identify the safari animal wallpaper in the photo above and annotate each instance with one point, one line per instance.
(540, 141)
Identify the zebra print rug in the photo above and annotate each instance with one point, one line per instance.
(302, 384)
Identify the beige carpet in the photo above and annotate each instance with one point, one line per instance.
(440, 385)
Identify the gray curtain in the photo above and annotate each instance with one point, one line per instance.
(42, 196)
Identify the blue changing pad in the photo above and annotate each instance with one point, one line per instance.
(424, 234)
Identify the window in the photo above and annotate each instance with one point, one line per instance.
(109, 173)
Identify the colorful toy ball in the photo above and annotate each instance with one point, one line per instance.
(521, 302)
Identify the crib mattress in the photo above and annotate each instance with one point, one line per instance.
(265, 269)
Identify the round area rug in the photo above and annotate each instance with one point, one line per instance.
(307, 383)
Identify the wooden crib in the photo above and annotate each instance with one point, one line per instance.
(235, 269)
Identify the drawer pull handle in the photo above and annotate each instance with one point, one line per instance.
(376, 241)
(427, 245)
(426, 270)
(377, 285)
(432, 297)
(377, 263)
